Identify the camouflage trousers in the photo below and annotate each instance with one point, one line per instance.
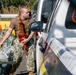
(30, 63)
(18, 49)
(12, 52)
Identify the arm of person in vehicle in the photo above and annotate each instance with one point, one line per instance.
(6, 36)
(29, 37)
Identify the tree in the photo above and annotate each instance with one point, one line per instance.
(16, 3)
(1, 4)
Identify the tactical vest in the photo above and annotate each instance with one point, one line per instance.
(23, 31)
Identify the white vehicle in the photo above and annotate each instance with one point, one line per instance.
(45, 7)
(57, 41)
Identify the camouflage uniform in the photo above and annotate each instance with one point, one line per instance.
(16, 47)
(30, 64)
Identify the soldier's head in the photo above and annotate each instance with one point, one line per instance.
(24, 13)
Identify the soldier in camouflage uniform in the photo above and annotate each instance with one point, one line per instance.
(22, 38)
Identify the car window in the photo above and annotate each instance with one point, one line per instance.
(70, 22)
(52, 15)
(47, 7)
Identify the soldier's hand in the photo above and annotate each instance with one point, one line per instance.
(1, 45)
(25, 40)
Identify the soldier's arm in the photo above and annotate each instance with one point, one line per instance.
(29, 37)
(6, 35)
(11, 26)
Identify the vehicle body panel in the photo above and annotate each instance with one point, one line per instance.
(65, 39)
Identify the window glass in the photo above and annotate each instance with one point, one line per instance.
(47, 7)
(70, 22)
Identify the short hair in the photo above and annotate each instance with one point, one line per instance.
(22, 10)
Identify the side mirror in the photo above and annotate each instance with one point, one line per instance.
(36, 26)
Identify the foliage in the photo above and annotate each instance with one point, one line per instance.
(32, 3)
(16, 3)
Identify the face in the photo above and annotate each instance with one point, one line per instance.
(25, 13)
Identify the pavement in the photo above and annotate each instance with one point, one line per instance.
(21, 70)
